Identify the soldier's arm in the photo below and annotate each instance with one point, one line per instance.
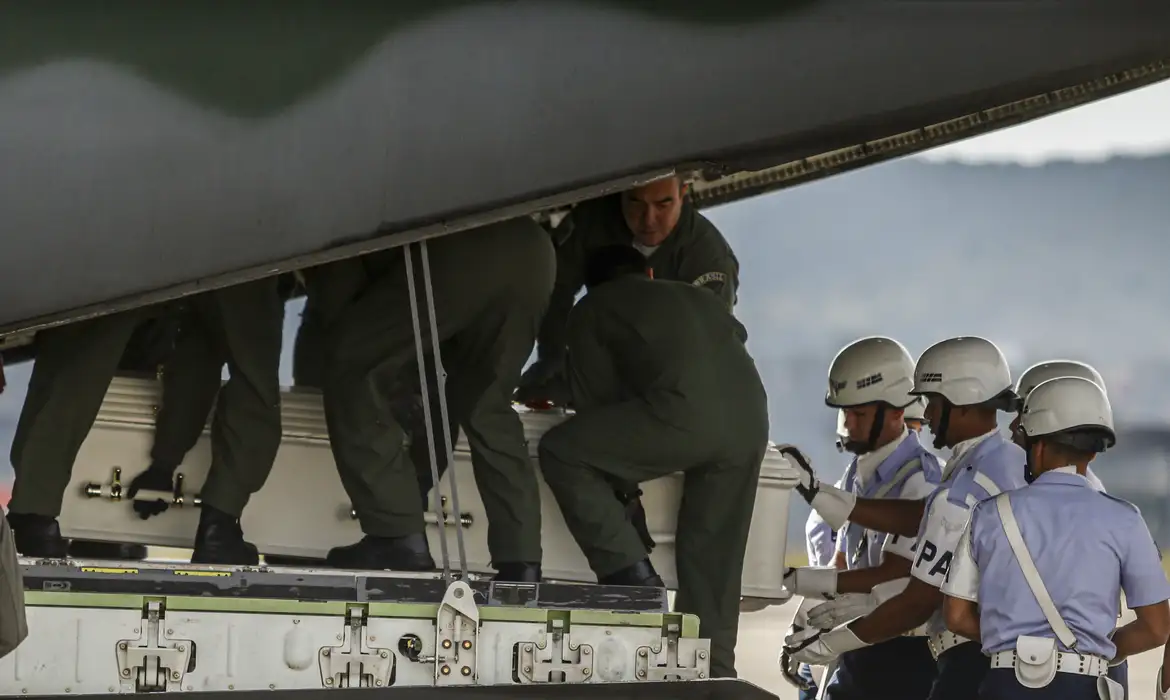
(893, 515)
(591, 372)
(913, 606)
(711, 265)
(1146, 592)
(961, 588)
(898, 551)
(552, 337)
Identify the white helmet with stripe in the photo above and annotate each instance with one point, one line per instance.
(966, 371)
(871, 370)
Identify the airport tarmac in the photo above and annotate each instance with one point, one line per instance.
(760, 635)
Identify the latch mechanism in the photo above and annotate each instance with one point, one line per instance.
(457, 636)
(153, 662)
(674, 658)
(465, 519)
(354, 663)
(556, 660)
(114, 491)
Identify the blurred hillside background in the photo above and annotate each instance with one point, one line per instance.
(1065, 258)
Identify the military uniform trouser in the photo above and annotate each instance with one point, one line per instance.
(402, 393)
(74, 366)
(581, 456)
(1001, 684)
(485, 347)
(961, 670)
(242, 327)
(901, 668)
(13, 621)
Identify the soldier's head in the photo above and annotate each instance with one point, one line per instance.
(1042, 372)
(966, 381)
(869, 382)
(612, 261)
(652, 210)
(915, 415)
(1065, 422)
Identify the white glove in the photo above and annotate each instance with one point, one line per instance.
(850, 606)
(818, 648)
(817, 581)
(833, 504)
(842, 609)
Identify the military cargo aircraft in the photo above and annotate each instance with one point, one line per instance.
(153, 152)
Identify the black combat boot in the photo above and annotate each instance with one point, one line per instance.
(407, 553)
(640, 574)
(517, 572)
(220, 540)
(38, 536)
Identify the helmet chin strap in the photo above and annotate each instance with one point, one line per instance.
(940, 435)
(1029, 466)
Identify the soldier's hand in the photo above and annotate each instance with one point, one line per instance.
(842, 609)
(153, 479)
(542, 384)
(817, 648)
(809, 483)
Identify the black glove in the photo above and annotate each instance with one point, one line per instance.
(153, 479)
(809, 483)
(543, 381)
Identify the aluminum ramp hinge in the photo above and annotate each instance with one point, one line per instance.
(354, 663)
(153, 662)
(457, 637)
(556, 660)
(675, 658)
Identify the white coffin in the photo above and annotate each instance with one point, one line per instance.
(303, 510)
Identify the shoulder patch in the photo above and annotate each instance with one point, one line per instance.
(709, 277)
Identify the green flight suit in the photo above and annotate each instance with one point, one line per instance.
(75, 364)
(695, 252)
(491, 288)
(403, 394)
(242, 327)
(72, 371)
(661, 382)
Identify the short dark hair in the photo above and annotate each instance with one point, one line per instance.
(609, 262)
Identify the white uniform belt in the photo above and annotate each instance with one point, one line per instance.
(1066, 662)
(943, 641)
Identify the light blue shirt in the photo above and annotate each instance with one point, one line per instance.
(820, 540)
(863, 548)
(1087, 546)
(985, 467)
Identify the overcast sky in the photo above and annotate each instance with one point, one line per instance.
(1133, 123)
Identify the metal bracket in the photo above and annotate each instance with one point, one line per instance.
(465, 519)
(354, 663)
(557, 660)
(674, 658)
(114, 491)
(153, 662)
(457, 637)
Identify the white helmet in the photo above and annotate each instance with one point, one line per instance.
(871, 370)
(965, 371)
(916, 410)
(1043, 371)
(1067, 404)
